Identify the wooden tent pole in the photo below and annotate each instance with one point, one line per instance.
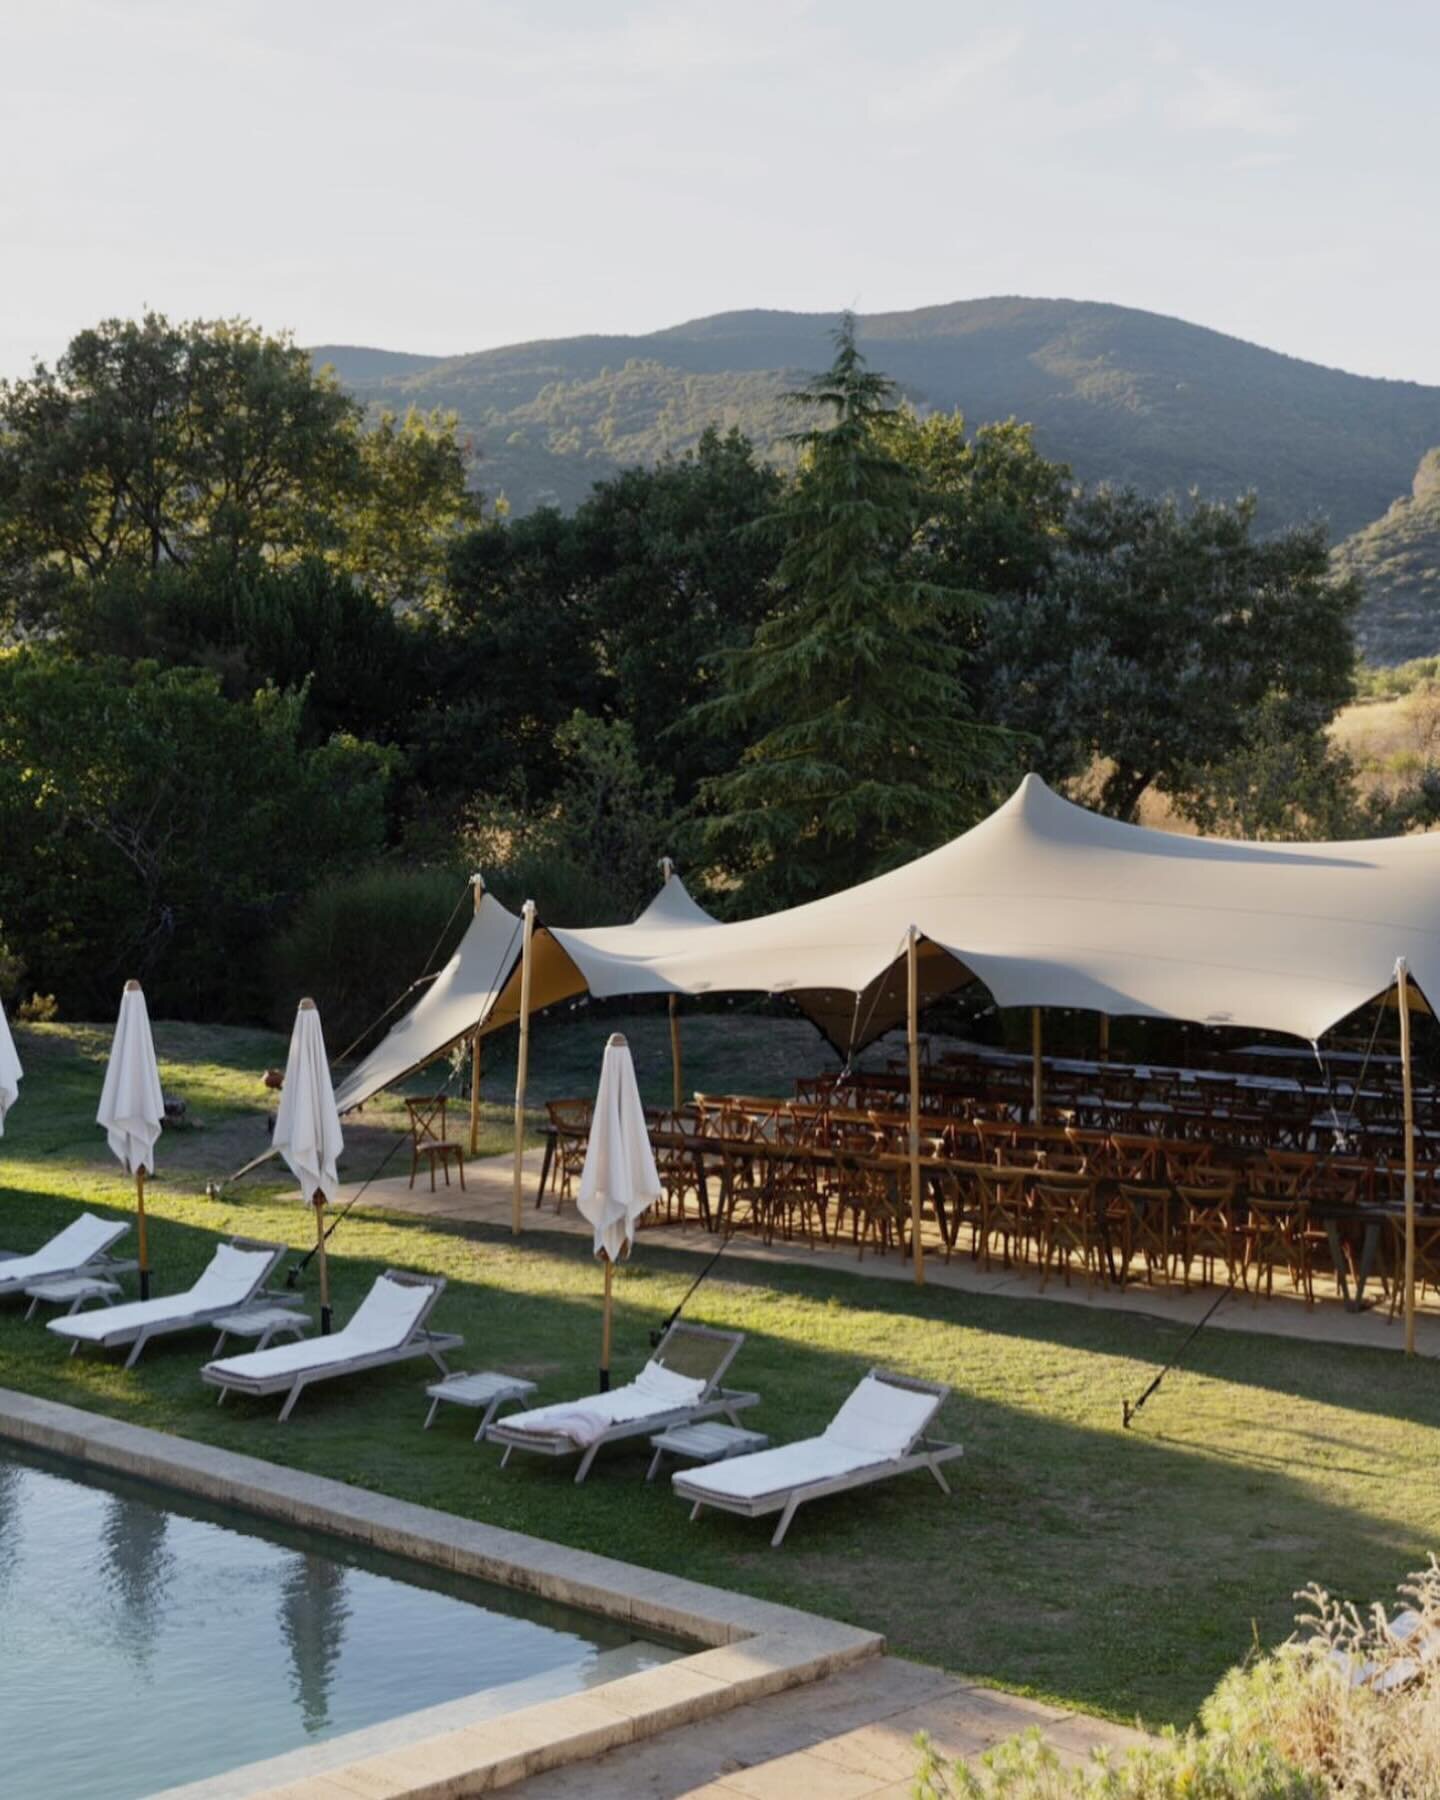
(522, 1063)
(912, 985)
(677, 1077)
(477, 882)
(677, 1080)
(1402, 987)
(1037, 1067)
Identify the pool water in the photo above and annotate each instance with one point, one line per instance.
(148, 1641)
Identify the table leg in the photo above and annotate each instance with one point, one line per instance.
(1341, 1262)
(545, 1163)
(1369, 1244)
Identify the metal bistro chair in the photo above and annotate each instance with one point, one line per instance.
(428, 1142)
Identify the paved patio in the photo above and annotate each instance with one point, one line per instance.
(487, 1200)
(850, 1737)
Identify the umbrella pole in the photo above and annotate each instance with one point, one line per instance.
(522, 1062)
(677, 1083)
(605, 1328)
(140, 1232)
(1104, 1037)
(912, 987)
(1402, 985)
(324, 1265)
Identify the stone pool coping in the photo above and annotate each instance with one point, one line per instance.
(753, 1647)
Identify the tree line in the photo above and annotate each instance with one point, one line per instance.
(261, 649)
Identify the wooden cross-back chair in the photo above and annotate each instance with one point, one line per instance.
(428, 1140)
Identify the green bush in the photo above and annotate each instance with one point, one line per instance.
(1185, 1766)
(356, 945)
(1350, 1710)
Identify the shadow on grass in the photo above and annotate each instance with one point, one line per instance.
(1114, 1570)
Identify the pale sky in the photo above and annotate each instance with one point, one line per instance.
(449, 175)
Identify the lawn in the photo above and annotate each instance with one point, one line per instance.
(1112, 1570)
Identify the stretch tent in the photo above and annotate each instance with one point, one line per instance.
(479, 988)
(1050, 905)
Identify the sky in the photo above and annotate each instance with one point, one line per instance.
(450, 175)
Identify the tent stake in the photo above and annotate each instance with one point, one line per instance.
(1402, 987)
(522, 1063)
(477, 882)
(1037, 1071)
(912, 984)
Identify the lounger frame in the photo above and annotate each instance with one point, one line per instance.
(714, 1402)
(922, 1453)
(292, 1384)
(138, 1336)
(101, 1264)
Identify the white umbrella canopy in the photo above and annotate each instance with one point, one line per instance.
(10, 1070)
(307, 1125)
(132, 1107)
(307, 1130)
(620, 1181)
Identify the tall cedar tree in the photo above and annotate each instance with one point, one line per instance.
(865, 749)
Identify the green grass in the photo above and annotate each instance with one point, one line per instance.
(1116, 1571)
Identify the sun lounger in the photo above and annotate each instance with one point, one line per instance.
(877, 1433)
(388, 1327)
(82, 1247)
(233, 1277)
(678, 1386)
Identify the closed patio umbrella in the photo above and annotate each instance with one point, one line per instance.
(10, 1070)
(619, 1181)
(132, 1107)
(307, 1130)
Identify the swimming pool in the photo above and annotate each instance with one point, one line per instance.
(148, 1640)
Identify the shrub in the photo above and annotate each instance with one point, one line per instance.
(1349, 1711)
(356, 945)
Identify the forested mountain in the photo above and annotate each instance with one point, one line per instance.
(1398, 559)
(1124, 395)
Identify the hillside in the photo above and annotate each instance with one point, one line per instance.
(1120, 394)
(1398, 559)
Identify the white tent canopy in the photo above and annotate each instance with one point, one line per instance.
(1051, 905)
(1044, 902)
(480, 985)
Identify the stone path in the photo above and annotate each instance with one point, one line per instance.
(487, 1200)
(851, 1737)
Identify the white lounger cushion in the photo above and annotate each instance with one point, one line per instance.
(228, 1281)
(383, 1321)
(80, 1242)
(877, 1424)
(882, 1418)
(654, 1392)
(777, 1471)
